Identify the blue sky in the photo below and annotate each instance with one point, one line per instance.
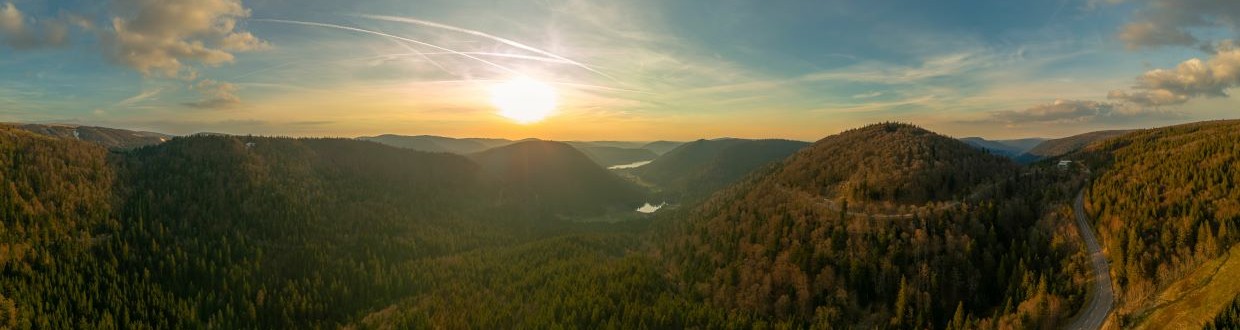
(640, 69)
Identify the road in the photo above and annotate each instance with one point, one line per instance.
(1100, 303)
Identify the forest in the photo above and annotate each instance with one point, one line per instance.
(1164, 201)
(215, 231)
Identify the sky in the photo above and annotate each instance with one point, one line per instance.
(619, 70)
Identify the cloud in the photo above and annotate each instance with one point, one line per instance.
(18, 35)
(1190, 79)
(216, 95)
(1170, 22)
(143, 96)
(867, 95)
(159, 37)
(1060, 111)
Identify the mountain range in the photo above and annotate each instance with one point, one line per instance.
(884, 226)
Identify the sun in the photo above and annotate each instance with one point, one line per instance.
(523, 100)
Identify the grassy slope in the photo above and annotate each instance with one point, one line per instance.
(1194, 300)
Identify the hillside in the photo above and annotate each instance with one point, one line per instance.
(611, 156)
(55, 204)
(773, 246)
(1165, 202)
(1059, 147)
(555, 177)
(699, 168)
(662, 147)
(107, 137)
(1006, 148)
(235, 232)
(898, 163)
(431, 143)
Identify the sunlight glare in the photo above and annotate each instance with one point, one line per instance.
(523, 100)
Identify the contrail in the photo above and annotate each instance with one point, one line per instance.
(423, 55)
(559, 83)
(349, 28)
(488, 36)
(505, 55)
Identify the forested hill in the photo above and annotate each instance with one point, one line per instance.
(1063, 146)
(233, 231)
(431, 143)
(1006, 148)
(699, 168)
(775, 248)
(1165, 200)
(891, 163)
(556, 178)
(107, 137)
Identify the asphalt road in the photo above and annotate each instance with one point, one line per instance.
(1093, 314)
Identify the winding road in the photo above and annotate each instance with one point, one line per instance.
(1099, 305)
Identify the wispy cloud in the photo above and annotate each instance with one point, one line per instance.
(143, 96)
(215, 95)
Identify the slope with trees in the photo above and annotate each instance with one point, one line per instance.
(1165, 201)
(431, 143)
(1006, 148)
(699, 168)
(772, 248)
(1062, 146)
(554, 177)
(107, 137)
(607, 156)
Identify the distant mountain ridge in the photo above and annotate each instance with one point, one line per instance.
(431, 143)
(698, 168)
(1062, 146)
(605, 153)
(554, 176)
(107, 137)
(1007, 148)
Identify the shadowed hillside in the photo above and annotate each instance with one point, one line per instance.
(662, 147)
(431, 143)
(610, 156)
(555, 177)
(698, 168)
(1005, 148)
(1063, 146)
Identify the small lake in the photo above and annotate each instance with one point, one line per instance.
(649, 208)
(630, 165)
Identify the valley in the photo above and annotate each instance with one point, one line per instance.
(884, 226)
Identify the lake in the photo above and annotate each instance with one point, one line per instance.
(630, 165)
(649, 208)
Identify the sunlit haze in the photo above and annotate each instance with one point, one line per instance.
(523, 100)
